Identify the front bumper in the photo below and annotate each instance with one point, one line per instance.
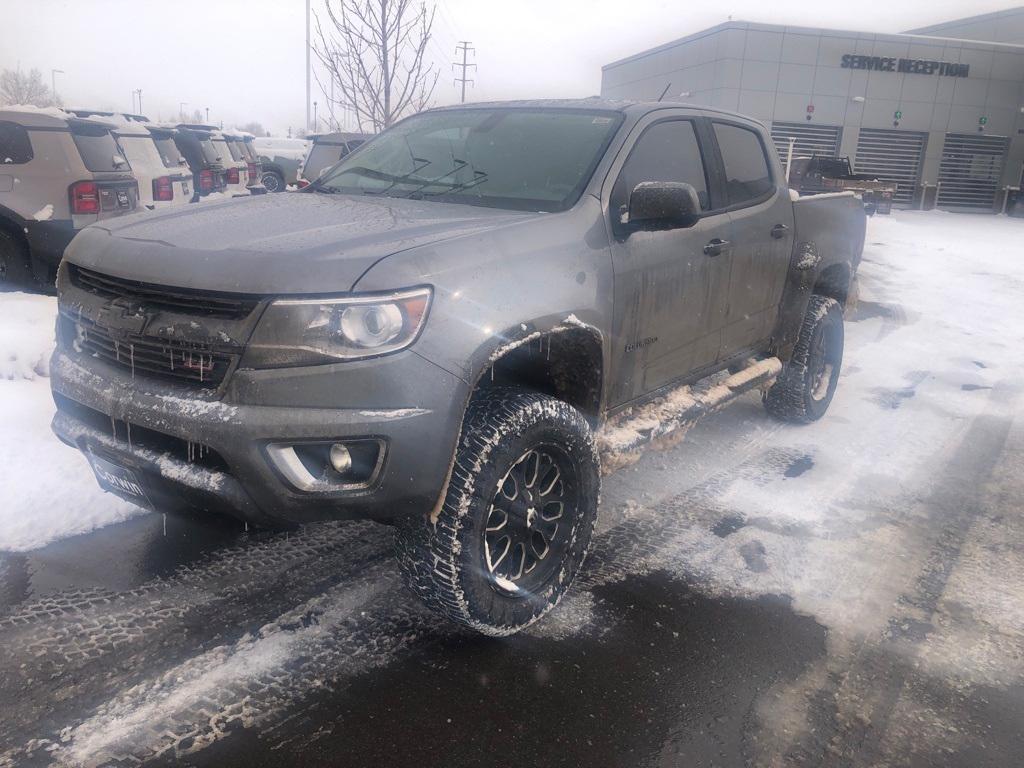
(211, 453)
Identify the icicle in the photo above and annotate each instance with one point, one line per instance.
(200, 367)
(131, 352)
(246, 526)
(492, 373)
(172, 359)
(128, 426)
(113, 427)
(549, 348)
(165, 525)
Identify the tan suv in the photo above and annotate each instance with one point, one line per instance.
(58, 173)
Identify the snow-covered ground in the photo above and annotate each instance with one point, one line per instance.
(48, 490)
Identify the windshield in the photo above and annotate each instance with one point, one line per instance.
(502, 158)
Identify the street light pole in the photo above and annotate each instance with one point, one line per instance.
(53, 82)
(181, 110)
(307, 65)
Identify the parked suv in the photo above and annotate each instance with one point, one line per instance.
(327, 149)
(244, 142)
(157, 165)
(452, 329)
(195, 143)
(280, 160)
(236, 167)
(58, 173)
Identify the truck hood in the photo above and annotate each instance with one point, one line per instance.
(283, 243)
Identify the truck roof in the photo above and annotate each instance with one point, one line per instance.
(591, 103)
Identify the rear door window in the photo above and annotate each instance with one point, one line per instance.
(747, 175)
(15, 147)
(99, 149)
(210, 153)
(235, 149)
(222, 154)
(168, 150)
(667, 151)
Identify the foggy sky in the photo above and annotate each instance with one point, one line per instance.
(244, 59)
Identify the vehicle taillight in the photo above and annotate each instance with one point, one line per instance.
(85, 197)
(163, 188)
(254, 174)
(206, 181)
(232, 175)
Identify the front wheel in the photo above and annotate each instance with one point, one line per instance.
(808, 381)
(517, 518)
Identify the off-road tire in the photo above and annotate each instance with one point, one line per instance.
(276, 182)
(443, 559)
(15, 270)
(803, 391)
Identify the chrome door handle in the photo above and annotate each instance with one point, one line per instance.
(717, 247)
(779, 231)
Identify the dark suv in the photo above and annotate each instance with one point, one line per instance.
(453, 329)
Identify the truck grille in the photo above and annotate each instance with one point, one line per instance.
(206, 303)
(175, 360)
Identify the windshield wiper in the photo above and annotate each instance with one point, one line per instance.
(320, 185)
(458, 166)
(479, 177)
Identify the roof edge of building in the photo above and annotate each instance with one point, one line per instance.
(802, 29)
(925, 30)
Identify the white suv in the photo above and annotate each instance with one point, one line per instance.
(163, 174)
(58, 173)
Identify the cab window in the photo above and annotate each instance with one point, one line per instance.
(667, 151)
(746, 166)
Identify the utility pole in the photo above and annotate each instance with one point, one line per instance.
(181, 110)
(207, 115)
(138, 91)
(465, 47)
(307, 65)
(53, 83)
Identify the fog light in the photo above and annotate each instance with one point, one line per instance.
(341, 459)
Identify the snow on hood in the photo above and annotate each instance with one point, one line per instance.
(299, 243)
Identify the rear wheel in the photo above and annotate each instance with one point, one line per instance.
(15, 270)
(273, 181)
(805, 387)
(517, 519)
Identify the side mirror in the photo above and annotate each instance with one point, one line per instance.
(663, 204)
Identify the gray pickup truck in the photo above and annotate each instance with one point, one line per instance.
(437, 333)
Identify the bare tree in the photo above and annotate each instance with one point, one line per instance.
(373, 53)
(17, 87)
(255, 128)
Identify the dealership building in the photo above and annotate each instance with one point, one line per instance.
(939, 111)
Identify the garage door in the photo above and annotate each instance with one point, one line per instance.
(971, 169)
(893, 156)
(810, 139)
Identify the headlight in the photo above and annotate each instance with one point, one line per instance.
(311, 331)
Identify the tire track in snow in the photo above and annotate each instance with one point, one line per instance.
(361, 622)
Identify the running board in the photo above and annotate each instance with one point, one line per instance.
(623, 437)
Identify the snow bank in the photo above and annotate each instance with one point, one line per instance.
(26, 335)
(49, 492)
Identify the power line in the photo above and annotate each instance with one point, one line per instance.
(465, 47)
